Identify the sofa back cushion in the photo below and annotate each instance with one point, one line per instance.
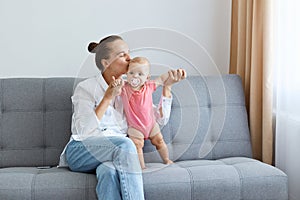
(35, 117)
(208, 120)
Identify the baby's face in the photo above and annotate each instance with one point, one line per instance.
(137, 74)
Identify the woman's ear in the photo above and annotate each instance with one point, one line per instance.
(104, 63)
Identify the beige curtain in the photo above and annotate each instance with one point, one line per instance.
(250, 57)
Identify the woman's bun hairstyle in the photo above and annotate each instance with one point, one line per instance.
(102, 49)
(92, 47)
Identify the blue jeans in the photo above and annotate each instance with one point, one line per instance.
(116, 163)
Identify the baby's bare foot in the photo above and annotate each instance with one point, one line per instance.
(168, 162)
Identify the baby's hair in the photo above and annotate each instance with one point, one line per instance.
(140, 60)
(102, 49)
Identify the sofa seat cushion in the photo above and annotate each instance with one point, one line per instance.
(230, 178)
(54, 183)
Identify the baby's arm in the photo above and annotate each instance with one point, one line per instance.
(161, 79)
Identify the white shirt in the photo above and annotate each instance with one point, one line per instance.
(85, 123)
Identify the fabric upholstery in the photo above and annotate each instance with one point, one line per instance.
(210, 112)
(29, 183)
(207, 136)
(35, 117)
(229, 178)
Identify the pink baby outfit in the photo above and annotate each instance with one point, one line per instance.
(138, 107)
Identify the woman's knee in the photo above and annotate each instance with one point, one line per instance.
(79, 158)
(106, 171)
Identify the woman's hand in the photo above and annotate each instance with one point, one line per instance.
(174, 77)
(114, 89)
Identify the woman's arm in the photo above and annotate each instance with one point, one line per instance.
(113, 90)
(84, 118)
(167, 91)
(87, 112)
(164, 108)
(102, 107)
(173, 77)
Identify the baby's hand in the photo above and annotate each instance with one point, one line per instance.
(115, 88)
(116, 82)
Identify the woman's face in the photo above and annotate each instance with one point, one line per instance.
(119, 57)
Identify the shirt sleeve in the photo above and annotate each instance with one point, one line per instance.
(84, 119)
(165, 103)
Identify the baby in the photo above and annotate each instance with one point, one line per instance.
(138, 106)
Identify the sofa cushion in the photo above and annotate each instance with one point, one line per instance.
(35, 118)
(207, 136)
(231, 178)
(208, 120)
(28, 183)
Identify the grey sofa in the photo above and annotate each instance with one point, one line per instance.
(207, 136)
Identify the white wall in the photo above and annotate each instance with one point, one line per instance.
(49, 38)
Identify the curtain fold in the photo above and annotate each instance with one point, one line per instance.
(250, 57)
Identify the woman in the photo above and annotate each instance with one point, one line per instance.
(99, 127)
